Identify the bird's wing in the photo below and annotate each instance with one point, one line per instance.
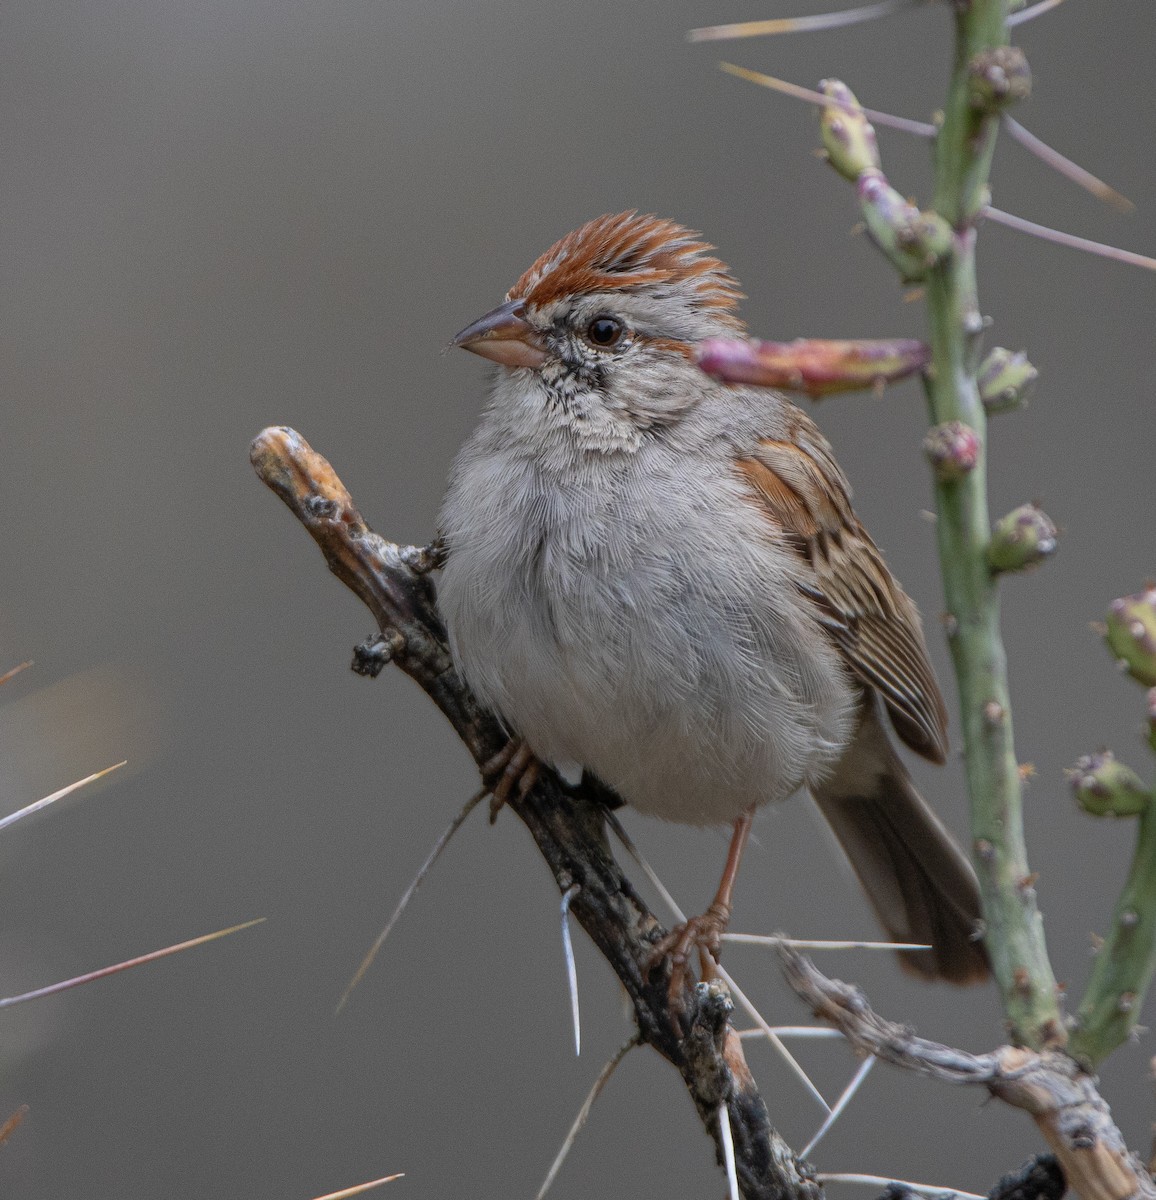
(865, 612)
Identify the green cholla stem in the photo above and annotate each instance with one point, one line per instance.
(1126, 960)
(1014, 935)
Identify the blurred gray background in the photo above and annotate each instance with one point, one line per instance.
(221, 214)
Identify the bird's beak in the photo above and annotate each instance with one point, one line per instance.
(504, 336)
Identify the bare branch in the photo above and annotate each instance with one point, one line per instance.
(568, 825)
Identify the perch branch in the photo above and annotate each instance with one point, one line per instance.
(567, 824)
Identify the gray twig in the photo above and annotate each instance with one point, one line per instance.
(1048, 1084)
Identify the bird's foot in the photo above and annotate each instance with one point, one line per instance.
(514, 767)
(702, 933)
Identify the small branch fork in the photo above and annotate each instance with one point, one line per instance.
(1048, 1084)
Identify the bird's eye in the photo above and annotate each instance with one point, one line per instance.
(605, 331)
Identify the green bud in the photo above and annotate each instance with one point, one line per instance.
(1024, 538)
(914, 241)
(1106, 787)
(1005, 380)
(997, 78)
(1131, 634)
(848, 137)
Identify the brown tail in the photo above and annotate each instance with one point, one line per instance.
(918, 880)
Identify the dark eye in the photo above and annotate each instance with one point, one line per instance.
(605, 331)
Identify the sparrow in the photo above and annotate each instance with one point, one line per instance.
(658, 578)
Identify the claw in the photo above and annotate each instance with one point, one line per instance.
(514, 766)
(702, 933)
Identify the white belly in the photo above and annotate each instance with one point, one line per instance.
(656, 644)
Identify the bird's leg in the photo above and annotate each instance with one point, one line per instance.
(514, 766)
(704, 933)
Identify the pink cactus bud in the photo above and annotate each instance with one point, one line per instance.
(814, 366)
(952, 449)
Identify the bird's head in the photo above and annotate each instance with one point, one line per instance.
(601, 329)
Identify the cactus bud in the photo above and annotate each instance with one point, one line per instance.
(1104, 786)
(914, 241)
(813, 365)
(1152, 718)
(1005, 379)
(1131, 634)
(848, 137)
(1024, 538)
(952, 449)
(997, 78)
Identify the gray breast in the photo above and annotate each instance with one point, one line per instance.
(622, 618)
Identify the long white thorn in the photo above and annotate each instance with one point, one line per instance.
(104, 972)
(1029, 14)
(928, 1189)
(407, 895)
(1071, 240)
(361, 1188)
(45, 801)
(728, 1145)
(806, 1032)
(739, 994)
(571, 965)
(759, 939)
(772, 1037)
(584, 1112)
(812, 24)
(1066, 167)
(631, 849)
(810, 96)
(840, 1104)
(13, 671)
